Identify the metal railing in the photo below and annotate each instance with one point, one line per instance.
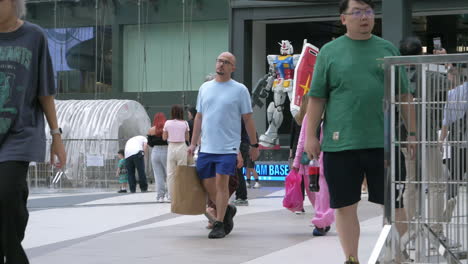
(433, 227)
(91, 164)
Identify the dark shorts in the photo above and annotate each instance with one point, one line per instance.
(345, 171)
(208, 165)
(244, 150)
(400, 177)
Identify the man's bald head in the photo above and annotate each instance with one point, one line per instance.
(225, 66)
(229, 56)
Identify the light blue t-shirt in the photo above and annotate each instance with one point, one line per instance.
(222, 105)
(456, 106)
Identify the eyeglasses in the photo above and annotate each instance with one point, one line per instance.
(224, 62)
(358, 13)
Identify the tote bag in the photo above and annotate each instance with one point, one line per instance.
(188, 195)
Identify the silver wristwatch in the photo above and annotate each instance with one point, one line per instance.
(56, 131)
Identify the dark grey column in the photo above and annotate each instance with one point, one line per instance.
(240, 43)
(117, 56)
(396, 20)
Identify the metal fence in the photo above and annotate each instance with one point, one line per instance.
(91, 163)
(433, 226)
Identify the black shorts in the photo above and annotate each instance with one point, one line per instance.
(345, 172)
(400, 177)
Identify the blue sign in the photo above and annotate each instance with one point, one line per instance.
(271, 172)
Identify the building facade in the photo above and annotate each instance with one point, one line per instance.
(256, 26)
(155, 52)
(158, 51)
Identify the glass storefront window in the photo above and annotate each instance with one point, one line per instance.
(119, 46)
(79, 34)
(451, 29)
(82, 58)
(157, 59)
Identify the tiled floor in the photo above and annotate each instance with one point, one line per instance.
(107, 227)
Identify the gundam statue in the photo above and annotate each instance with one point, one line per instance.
(280, 81)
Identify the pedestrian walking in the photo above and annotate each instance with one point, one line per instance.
(324, 216)
(135, 152)
(191, 113)
(159, 156)
(176, 132)
(221, 104)
(122, 172)
(349, 79)
(244, 149)
(27, 89)
(454, 127)
(296, 129)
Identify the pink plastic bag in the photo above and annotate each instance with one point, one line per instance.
(293, 198)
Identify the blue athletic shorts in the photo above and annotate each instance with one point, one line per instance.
(208, 165)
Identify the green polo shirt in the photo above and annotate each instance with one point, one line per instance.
(350, 75)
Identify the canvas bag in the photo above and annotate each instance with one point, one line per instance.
(188, 194)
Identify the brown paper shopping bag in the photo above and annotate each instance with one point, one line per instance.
(188, 195)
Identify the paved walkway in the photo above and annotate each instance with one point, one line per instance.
(107, 227)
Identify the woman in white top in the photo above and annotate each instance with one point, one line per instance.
(176, 132)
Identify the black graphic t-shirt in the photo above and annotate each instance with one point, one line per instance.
(25, 73)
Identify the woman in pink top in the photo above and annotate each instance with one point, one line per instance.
(324, 215)
(176, 132)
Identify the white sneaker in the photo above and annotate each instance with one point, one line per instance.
(247, 184)
(159, 200)
(450, 243)
(167, 200)
(257, 185)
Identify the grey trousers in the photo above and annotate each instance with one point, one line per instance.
(159, 162)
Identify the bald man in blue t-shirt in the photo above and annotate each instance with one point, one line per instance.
(221, 104)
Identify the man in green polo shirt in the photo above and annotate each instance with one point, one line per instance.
(349, 83)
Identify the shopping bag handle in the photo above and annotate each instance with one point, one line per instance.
(189, 160)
